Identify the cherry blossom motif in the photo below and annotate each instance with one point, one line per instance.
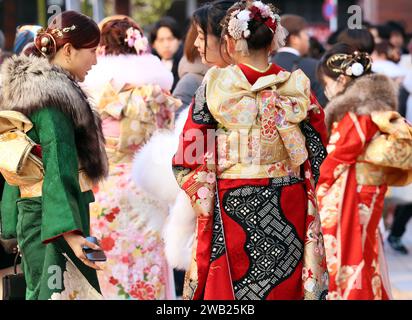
(143, 291)
(269, 130)
(135, 39)
(211, 177)
(107, 243)
(133, 252)
(203, 192)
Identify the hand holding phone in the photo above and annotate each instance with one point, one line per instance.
(92, 254)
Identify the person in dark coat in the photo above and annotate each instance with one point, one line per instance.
(165, 39)
(293, 55)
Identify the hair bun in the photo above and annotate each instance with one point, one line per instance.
(45, 43)
(352, 65)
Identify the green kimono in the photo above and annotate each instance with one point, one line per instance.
(40, 222)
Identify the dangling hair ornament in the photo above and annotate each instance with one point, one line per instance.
(45, 43)
(45, 40)
(349, 64)
(134, 39)
(238, 27)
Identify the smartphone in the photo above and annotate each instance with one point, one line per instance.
(91, 254)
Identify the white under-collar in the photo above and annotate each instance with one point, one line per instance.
(290, 50)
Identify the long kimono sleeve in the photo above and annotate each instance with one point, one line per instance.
(61, 209)
(9, 211)
(194, 162)
(347, 142)
(315, 132)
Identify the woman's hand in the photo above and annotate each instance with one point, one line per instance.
(76, 243)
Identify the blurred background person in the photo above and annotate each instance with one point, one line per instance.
(406, 58)
(165, 39)
(25, 35)
(373, 29)
(293, 55)
(359, 39)
(130, 88)
(333, 38)
(397, 36)
(316, 49)
(385, 61)
(191, 70)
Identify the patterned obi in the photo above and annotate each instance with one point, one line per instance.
(387, 159)
(35, 189)
(131, 115)
(259, 134)
(247, 153)
(19, 164)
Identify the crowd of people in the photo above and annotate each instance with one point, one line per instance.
(242, 161)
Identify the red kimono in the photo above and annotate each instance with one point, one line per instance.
(351, 196)
(262, 239)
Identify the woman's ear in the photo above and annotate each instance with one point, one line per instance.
(272, 48)
(230, 45)
(67, 50)
(343, 80)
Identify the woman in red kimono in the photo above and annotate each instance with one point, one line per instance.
(362, 162)
(248, 160)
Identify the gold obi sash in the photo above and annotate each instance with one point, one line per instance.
(139, 111)
(259, 135)
(18, 165)
(35, 189)
(115, 155)
(388, 157)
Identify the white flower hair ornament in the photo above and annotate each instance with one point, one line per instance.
(355, 70)
(238, 26)
(348, 64)
(136, 40)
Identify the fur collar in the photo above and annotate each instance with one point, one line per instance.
(31, 83)
(128, 69)
(369, 93)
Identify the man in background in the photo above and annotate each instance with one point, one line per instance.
(293, 55)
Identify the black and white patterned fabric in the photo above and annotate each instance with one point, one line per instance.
(201, 113)
(272, 243)
(317, 151)
(218, 237)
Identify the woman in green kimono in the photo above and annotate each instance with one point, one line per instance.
(49, 215)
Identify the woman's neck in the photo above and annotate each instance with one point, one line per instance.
(259, 61)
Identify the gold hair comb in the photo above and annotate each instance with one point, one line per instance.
(350, 64)
(60, 32)
(337, 57)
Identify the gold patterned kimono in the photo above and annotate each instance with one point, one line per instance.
(245, 160)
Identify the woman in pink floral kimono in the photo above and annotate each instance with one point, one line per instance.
(133, 104)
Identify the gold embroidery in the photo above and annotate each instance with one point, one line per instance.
(260, 135)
